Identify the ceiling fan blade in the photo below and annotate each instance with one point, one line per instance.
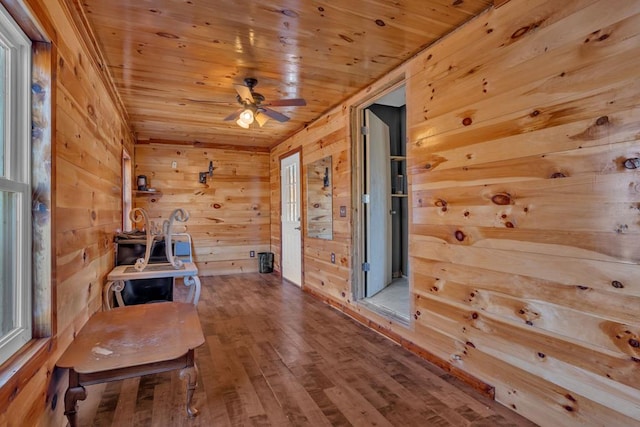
(234, 115)
(295, 102)
(261, 118)
(244, 93)
(274, 115)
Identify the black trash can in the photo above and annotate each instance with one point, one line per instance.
(266, 262)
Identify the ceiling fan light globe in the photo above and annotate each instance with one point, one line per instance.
(242, 124)
(261, 118)
(246, 116)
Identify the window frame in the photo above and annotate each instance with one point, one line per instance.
(33, 358)
(16, 177)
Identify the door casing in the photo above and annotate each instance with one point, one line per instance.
(357, 183)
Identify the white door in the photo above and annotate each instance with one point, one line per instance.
(290, 220)
(378, 210)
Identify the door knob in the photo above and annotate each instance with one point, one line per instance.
(297, 228)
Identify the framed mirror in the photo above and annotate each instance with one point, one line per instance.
(319, 199)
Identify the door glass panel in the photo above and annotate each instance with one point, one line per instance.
(8, 226)
(292, 206)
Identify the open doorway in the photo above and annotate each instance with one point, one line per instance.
(382, 232)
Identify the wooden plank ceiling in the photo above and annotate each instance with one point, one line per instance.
(174, 63)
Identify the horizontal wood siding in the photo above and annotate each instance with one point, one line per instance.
(524, 218)
(90, 133)
(327, 137)
(524, 244)
(229, 215)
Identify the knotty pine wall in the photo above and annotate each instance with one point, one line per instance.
(229, 215)
(90, 133)
(524, 220)
(326, 137)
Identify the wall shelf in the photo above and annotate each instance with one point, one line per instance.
(397, 158)
(146, 193)
(399, 195)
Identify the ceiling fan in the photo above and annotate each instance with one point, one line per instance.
(254, 107)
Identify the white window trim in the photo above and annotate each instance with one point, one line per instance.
(17, 175)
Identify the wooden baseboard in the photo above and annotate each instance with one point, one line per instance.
(478, 385)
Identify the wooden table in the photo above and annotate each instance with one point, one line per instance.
(129, 342)
(117, 277)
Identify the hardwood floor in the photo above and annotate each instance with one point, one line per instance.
(275, 356)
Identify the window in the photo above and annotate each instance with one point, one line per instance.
(15, 188)
(127, 203)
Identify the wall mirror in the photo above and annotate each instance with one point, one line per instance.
(319, 199)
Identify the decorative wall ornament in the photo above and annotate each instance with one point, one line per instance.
(202, 177)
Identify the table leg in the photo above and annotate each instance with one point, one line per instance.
(74, 393)
(191, 375)
(116, 287)
(106, 300)
(194, 292)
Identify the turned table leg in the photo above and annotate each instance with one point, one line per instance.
(190, 373)
(194, 288)
(74, 393)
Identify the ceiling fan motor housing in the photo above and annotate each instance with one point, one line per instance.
(250, 82)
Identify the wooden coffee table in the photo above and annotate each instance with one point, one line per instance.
(129, 342)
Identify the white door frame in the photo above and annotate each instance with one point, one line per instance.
(291, 217)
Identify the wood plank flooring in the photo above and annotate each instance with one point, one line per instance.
(275, 356)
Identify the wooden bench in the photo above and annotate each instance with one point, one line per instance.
(129, 342)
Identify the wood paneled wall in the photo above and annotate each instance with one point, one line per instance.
(327, 137)
(90, 133)
(229, 215)
(524, 246)
(523, 131)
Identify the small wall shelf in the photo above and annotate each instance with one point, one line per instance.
(399, 195)
(397, 158)
(146, 193)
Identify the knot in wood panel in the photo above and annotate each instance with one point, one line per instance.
(632, 163)
(167, 35)
(502, 199)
